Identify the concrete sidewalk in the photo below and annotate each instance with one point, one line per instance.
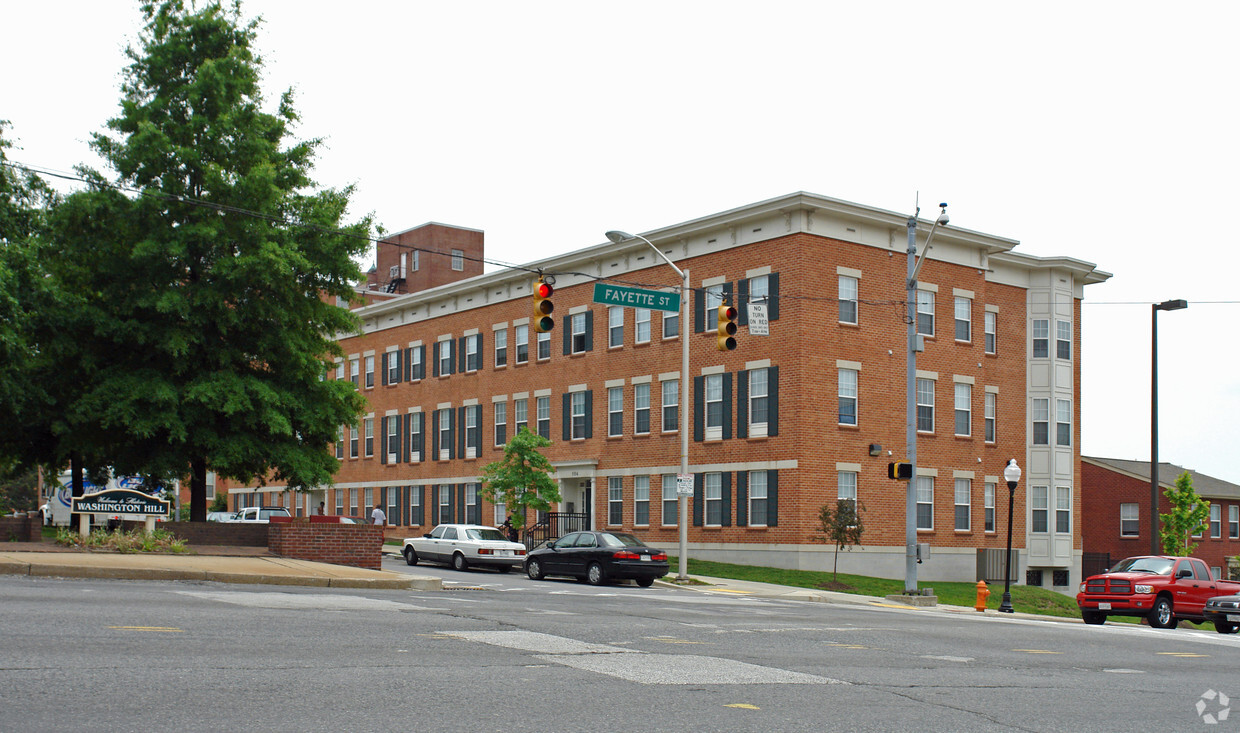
(258, 569)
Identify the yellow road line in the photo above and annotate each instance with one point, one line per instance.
(1036, 651)
(166, 629)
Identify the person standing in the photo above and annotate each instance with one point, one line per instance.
(322, 508)
(378, 517)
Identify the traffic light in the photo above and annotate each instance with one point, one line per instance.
(543, 322)
(726, 320)
(900, 470)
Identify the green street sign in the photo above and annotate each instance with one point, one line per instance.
(636, 297)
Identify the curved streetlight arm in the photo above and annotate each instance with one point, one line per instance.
(619, 236)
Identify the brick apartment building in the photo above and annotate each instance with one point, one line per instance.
(783, 424)
(1115, 519)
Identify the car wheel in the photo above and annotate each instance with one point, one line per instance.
(594, 574)
(533, 568)
(1224, 628)
(459, 563)
(504, 568)
(1162, 616)
(411, 557)
(1094, 618)
(645, 582)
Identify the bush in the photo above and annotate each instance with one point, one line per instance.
(160, 540)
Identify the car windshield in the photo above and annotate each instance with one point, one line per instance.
(486, 533)
(612, 539)
(1151, 565)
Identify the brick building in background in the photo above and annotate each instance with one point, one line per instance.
(780, 426)
(1115, 520)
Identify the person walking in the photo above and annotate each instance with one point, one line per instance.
(378, 517)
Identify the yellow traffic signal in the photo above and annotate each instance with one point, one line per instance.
(726, 326)
(543, 307)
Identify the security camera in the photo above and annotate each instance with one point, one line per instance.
(943, 218)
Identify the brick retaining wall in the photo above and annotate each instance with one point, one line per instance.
(21, 529)
(355, 545)
(214, 533)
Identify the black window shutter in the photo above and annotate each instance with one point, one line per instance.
(699, 311)
(772, 498)
(772, 400)
(461, 508)
(460, 357)
(742, 300)
(402, 431)
(566, 414)
(435, 360)
(725, 492)
(482, 358)
(727, 294)
(727, 405)
(422, 362)
(772, 302)
(460, 429)
(383, 440)
(383, 367)
(742, 499)
(699, 419)
(742, 403)
(399, 367)
(589, 332)
(421, 515)
(434, 428)
(477, 430)
(589, 413)
(568, 337)
(451, 505)
(697, 499)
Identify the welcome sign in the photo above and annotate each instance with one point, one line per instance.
(120, 501)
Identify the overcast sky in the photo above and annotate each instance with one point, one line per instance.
(1102, 131)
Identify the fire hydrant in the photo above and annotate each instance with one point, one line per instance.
(982, 594)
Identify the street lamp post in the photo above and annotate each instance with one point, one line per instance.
(681, 500)
(1011, 474)
(910, 428)
(1166, 305)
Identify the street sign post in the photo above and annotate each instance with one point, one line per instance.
(684, 484)
(636, 297)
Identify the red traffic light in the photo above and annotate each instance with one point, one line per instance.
(543, 290)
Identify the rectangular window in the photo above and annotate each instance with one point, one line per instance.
(989, 502)
(473, 432)
(473, 360)
(543, 406)
(964, 408)
(712, 296)
(445, 504)
(1041, 422)
(501, 422)
(925, 312)
(445, 434)
(641, 325)
(848, 299)
(370, 436)
(353, 437)
(354, 371)
(925, 502)
(340, 370)
(416, 369)
(714, 404)
(1200, 528)
(1063, 422)
(990, 416)
(758, 402)
(964, 505)
(458, 260)
(760, 289)
(964, 322)
(615, 326)
(520, 411)
(415, 436)
(353, 512)
(393, 366)
(757, 498)
(578, 332)
(846, 486)
(500, 514)
(848, 396)
(522, 337)
(615, 411)
(1063, 340)
(415, 262)
(615, 501)
(1041, 338)
(671, 502)
(340, 502)
(991, 327)
(641, 409)
(713, 483)
(1063, 509)
(544, 346)
(340, 443)
(391, 510)
(415, 505)
(671, 405)
(370, 372)
(1039, 509)
(1216, 521)
(641, 500)
(393, 439)
(578, 415)
(473, 512)
(501, 347)
(925, 405)
(445, 357)
(671, 324)
(1233, 521)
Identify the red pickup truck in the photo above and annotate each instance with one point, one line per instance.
(1161, 588)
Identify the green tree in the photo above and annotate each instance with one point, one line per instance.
(1187, 517)
(521, 480)
(216, 287)
(840, 526)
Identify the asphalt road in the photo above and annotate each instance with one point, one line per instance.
(498, 652)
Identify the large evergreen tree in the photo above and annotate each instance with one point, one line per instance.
(217, 284)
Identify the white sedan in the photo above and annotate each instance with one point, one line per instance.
(465, 545)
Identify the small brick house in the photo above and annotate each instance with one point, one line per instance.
(1115, 513)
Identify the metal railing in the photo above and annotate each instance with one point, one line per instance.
(552, 525)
